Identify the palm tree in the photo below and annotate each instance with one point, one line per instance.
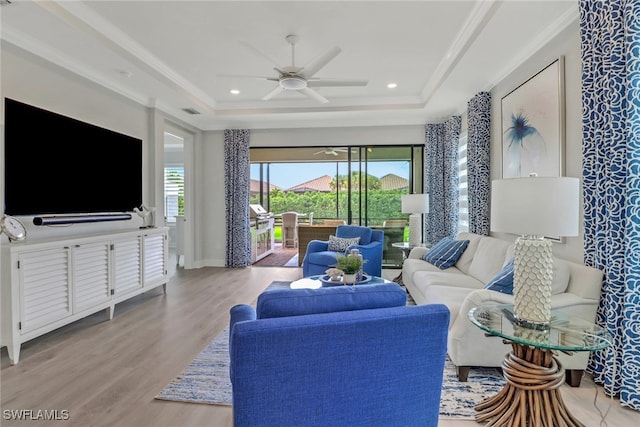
(373, 183)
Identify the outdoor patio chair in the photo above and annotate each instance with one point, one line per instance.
(290, 230)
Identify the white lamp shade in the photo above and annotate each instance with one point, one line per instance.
(537, 206)
(415, 203)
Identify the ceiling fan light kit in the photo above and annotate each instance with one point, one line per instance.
(293, 78)
(292, 82)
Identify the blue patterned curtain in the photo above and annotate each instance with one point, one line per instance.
(236, 192)
(610, 50)
(479, 162)
(441, 178)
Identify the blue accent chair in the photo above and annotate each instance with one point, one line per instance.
(337, 356)
(318, 258)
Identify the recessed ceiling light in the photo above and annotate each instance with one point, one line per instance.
(234, 92)
(392, 85)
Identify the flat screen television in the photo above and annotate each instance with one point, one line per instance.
(58, 165)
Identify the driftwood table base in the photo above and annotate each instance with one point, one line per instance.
(531, 397)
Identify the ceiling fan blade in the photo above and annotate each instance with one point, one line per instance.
(258, 52)
(313, 95)
(336, 82)
(314, 66)
(273, 93)
(245, 76)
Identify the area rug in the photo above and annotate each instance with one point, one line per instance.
(281, 257)
(206, 380)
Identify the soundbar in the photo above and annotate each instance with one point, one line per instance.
(60, 220)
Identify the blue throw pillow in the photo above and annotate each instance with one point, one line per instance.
(446, 252)
(503, 281)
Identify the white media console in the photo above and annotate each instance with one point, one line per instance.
(48, 284)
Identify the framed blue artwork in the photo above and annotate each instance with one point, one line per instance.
(533, 128)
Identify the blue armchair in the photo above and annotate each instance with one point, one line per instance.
(319, 258)
(337, 356)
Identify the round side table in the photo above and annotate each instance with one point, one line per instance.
(405, 247)
(534, 375)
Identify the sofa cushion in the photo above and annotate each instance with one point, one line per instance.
(323, 258)
(467, 256)
(503, 281)
(561, 275)
(296, 302)
(446, 252)
(451, 277)
(489, 258)
(340, 244)
(451, 297)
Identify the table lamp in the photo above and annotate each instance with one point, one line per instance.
(534, 207)
(415, 205)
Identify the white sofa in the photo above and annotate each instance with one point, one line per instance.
(576, 290)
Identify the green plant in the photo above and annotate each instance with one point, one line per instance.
(348, 264)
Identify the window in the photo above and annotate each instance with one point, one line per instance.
(361, 185)
(463, 194)
(173, 193)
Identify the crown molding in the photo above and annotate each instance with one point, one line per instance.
(474, 24)
(85, 20)
(564, 21)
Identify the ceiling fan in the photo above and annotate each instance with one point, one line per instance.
(301, 79)
(330, 151)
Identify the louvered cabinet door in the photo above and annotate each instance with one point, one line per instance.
(155, 258)
(126, 266)
(45, 287)
(90, 276)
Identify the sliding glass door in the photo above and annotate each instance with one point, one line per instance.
(357, 184)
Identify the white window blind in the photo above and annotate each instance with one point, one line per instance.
(463, 194)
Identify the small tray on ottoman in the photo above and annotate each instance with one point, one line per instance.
(326, 280)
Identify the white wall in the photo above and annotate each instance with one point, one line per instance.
(567, 44)
(210, 201)
(322, 137)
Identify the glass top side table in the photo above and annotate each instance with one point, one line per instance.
(406, 248)
(532, 372)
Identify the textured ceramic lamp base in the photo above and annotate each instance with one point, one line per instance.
(533, 273)
(415, 229)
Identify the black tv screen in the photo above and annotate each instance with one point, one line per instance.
(58, 165)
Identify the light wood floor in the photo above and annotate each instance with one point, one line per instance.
(106, 373)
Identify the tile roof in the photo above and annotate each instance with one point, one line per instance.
(317, 184)
(254, 186)
(393, 182)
